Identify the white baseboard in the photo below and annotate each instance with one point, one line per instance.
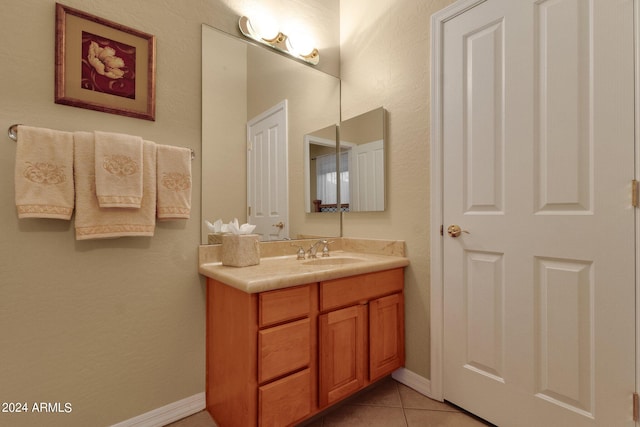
(413, 380)
(168, 413)
(183, 408)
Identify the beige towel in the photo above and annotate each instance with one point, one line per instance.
(94, 222)
(119, 170)
(44, 173)
(174, 182)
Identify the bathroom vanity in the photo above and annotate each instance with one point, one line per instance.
(288, 338)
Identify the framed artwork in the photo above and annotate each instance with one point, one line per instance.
(104, 66)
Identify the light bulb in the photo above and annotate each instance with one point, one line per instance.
(300, 44)
(265, 26)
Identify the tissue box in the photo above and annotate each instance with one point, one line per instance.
(240, 250)
(215, 238)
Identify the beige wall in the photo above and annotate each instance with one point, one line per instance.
(114, 327)
(384, 48)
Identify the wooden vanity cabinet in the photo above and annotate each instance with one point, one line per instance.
(261, 355)
(361, 332)
(276, 358)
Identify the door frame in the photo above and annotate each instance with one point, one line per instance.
(636, 62)
(436, 383)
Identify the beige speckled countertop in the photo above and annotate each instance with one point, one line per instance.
(276, 270)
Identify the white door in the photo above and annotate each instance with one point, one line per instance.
(366, 176)
(538, 157)
(267, 173)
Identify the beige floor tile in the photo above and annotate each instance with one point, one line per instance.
(365, 416)
(385, 393)
(412, 399)
(379, 406)
(428, 418)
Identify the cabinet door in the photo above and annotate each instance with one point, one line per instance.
(342, 353)
(386, 335)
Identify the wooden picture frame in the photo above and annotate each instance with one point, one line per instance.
(104, 66)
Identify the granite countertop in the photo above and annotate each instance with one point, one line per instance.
(353, 257)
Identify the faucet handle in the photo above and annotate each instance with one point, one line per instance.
(301, 252)
(325, 249)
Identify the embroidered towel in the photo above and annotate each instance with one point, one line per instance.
(95, 222)
(44, 173)
(119, 170)
(174, 182)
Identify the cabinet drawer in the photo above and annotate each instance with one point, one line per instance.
(285, 401)
(352, 290)
(283, 349)
(283, 304)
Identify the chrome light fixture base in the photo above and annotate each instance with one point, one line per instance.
(280, 42)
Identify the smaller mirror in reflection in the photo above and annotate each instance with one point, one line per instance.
(362, 186)
(321, 170)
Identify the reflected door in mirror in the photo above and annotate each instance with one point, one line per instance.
(267, 189)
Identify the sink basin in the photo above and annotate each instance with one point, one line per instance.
(333, 261)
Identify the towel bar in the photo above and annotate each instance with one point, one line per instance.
(13, 134)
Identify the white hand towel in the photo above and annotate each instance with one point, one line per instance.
(174, 182)
(119, 170)
(44, 173)
(95, 222)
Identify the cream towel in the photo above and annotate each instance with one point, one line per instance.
(119, 169)
(44, 173)
(94, 222)
(174, 182)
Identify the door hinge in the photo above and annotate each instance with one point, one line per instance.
(248, 210)
(442, 229)
(636, 407)
(634, 193)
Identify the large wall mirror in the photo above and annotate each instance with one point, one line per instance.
(241, 81)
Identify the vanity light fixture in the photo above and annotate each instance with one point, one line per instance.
(280, 42)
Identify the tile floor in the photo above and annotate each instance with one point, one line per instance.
(386, 404)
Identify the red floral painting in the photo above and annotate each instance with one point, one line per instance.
(108, 66)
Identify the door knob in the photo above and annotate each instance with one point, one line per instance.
(280, 225)
(455, 230)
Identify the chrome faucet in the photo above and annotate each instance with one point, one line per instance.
(314, 249)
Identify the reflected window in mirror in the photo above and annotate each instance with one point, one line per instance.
(321, 170)
(343, 179)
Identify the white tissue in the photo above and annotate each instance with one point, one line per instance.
(232, 227)
(213, 228)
